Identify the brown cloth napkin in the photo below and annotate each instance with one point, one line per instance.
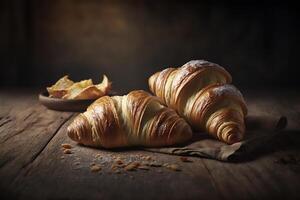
(259, 132)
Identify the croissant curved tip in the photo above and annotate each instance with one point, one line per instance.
(232, 134)
(234, 138)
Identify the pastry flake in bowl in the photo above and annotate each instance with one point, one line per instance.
(65, 88)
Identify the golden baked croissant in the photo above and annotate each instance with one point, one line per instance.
(136, 119)
(199, 92)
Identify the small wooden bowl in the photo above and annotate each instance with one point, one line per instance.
(73, 105)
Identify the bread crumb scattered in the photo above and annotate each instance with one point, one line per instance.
(165, 164)
(67, 151)
(132, 166)
(122, 164)
(98, 155)
(114, 167)
(119, 161)
(66, 146)
(95, 168)
(148, 158)
(173, 167)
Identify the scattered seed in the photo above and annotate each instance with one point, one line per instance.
(66, 146)
(67, 151)
(148, 158)
(114, 167)
(129, 168)
(132, 166)
(173, 167)
(119, 161)
(95, 168)
(98, 155)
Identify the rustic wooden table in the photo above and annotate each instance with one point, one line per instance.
(33, 165)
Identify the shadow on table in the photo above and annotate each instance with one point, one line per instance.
(284, 141)
(264, 135)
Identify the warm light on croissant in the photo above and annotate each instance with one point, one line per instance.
(136, 119)
(200, 93)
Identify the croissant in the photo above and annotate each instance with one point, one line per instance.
(200, 92)
(136, 119)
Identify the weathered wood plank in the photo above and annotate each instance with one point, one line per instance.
(30, 159)
(60, 178)
(25, 135)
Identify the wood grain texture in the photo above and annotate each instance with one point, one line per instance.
(26, 129)
(65, 179)
(32, 167)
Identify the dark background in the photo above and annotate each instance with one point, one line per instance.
(40, 41)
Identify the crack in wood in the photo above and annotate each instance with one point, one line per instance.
(18, 132)
(213, 182)
(29, 115)
(11, 136)
(34, 157)
(5, 122)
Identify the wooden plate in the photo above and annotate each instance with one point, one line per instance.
(73, 105)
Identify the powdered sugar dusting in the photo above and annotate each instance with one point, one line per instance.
(228, 89)
(200, 63)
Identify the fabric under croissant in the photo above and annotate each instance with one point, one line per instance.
(260, 131)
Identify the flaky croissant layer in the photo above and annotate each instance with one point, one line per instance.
(200, 92)
(136, 119)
